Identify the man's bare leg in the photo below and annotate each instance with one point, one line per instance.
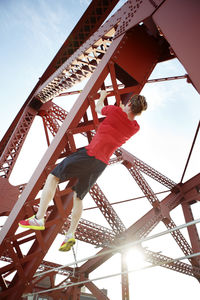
(48, 193)
(76, 214)
(37, 222)
(77, 210)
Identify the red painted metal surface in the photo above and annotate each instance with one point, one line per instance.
(11, 151)
(181, 33)
(126, 47)
(95, 291)
(122, 85)
(87, 25)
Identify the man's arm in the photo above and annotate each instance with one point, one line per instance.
(100, 103)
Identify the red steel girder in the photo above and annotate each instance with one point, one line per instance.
(75, 68)
(124, 277)
(91, 20)
(184, 24)
(145, 168)
(178, 266)
(99, 10)
(192, 230)
(117, 226)
(145, 187)
(150, 256)
(46, 265)
(148, 222)
(91, 233)
(36, 182)
(132, 167)
(13, 147)
(121, 86)
(185, 268)
(188, 159)
(109, 26)
(179, 238)
(29, 263)
(95, 291)
(106, 209)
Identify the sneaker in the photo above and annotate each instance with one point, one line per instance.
(68, 242)
(33, 223)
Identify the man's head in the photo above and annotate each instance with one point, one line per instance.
(136, 104)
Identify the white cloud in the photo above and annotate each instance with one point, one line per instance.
(85, 2)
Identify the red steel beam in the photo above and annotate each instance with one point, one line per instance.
(96, 291)
(121, 86)
(148, 222)
(178, 266)
(11, 151)
(38, 177)
(117, 226)
(188, 159)
(91, 20)
(186, 46)
(106, 209)
(192, 230)
(145, 168)
(177, 235)
(91, 233)
(124, 277)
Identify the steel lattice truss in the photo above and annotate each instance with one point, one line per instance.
(126, 47)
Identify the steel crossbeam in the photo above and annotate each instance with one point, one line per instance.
(13, 147)
(106, 209)
(192, 231)
(178, 266)
(145, 225)
(179, 238)
(145, 168)
(31, 191)
(91, 233)
(116, 225)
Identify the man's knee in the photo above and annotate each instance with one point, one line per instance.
(75, 197)
(52, 178)
(77, 201)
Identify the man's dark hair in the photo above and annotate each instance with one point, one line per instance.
(138, 104)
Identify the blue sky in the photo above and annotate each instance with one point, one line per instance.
(31, 34)
(32, 31)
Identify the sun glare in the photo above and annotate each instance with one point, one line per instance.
(134, 259)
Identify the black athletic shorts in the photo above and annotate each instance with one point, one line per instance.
(81, 166)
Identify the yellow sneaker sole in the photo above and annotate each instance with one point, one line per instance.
(68, 245)
(32, 227)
